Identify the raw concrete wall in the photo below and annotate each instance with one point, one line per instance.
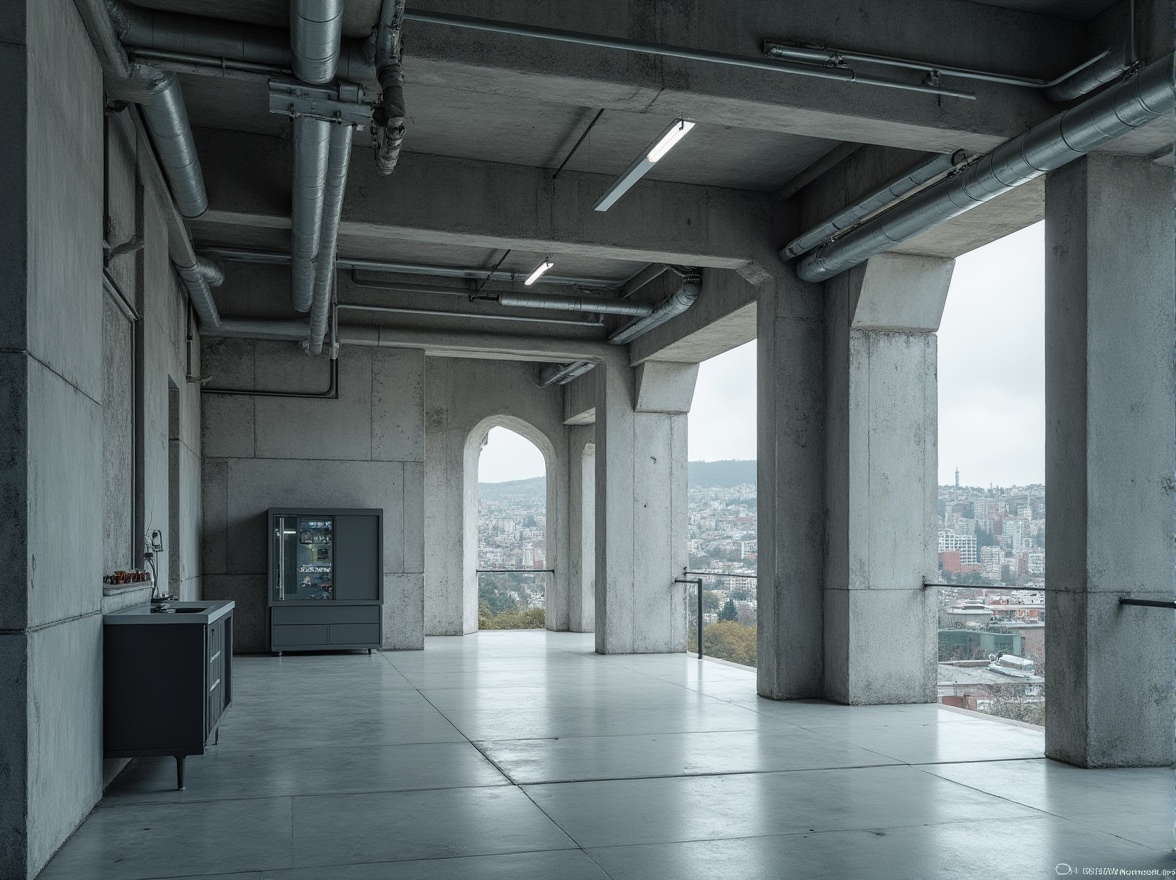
(465, 398)
(365, 449)
(66, 380)
(582, 529)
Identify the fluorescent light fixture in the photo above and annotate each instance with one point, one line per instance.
(543, 267)
(677, 131)
(665, 141)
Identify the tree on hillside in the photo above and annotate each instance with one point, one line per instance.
(729, 612)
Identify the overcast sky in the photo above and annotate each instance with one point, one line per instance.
(991, 380)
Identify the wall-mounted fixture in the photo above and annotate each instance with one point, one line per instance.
(664, 143)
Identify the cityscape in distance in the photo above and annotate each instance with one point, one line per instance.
(990, 581)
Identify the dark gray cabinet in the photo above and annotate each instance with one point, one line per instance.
(167, 679)
(326, 579)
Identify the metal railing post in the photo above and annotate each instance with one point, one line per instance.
(698, 583)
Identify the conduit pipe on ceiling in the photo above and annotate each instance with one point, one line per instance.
(338, 162)
(572, 304)
(562, 374)
(316, 32)
(876, 200)
(215, 40)
(1052, 144)
(670, 307)
(197, 278)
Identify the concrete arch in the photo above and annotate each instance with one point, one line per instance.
(472, 453)
(464, 399)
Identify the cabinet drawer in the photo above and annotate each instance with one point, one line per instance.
(326, 613)
(299, 635)
(355, 634)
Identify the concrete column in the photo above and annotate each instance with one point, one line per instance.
(1110, 323)
(582, 529)
(880, 476)
(641, 514)
(791, 449)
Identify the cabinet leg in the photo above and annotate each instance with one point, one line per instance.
(180, 772)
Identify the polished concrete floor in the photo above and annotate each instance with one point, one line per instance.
(524, 755)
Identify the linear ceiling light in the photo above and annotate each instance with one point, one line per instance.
(543, 267)
(638, 169)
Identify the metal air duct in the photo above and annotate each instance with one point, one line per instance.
(312, 147)
(1052, 144)
(670, 307)
(316, 32)
(573, 304)
(167, 124)
(562, 374)
(339, 161)
(196, 279)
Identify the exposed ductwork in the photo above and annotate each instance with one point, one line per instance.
(593, 305)
(316, 33)
(338, 163)
(1052, 144)
(197, 279)
(312, 147)
(875, 201)
(562, 374)
(167, 124)
(670, 307)
(388, 119)
(1108, 67)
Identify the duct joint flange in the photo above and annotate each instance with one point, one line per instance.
(343, 104)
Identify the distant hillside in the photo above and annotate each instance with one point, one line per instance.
(701, 475)
(514, 490)
(721, 474)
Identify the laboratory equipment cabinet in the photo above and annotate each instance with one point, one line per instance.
(326, 579)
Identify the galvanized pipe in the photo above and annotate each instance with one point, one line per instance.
(670, 307)
(876, 200)
(195, 281)
(1051, 145)
(312, 146)
(809, 70)
(281, 331)
(562, 374)
(573, 304)
(167, 123)
(338, 161)
(389, 115)
(316, 31)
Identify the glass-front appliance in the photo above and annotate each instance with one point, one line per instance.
(304, 558)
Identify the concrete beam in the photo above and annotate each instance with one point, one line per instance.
(463, 202)
(540, 71)
(724, 317)
(491, 346)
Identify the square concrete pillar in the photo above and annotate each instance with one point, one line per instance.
(791, 487)
(641, 510)
(881, 473)
(582, 529)
(1110, 400)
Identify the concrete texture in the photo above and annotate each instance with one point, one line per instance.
(365, 450)
(1110, 454)
(791, 487)
(665, 388)
(464, 400)
(881, 475)
(640, 517)
(582, 529)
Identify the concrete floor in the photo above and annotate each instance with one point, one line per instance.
(524, 755)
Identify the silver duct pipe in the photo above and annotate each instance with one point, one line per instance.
(338, 162)
(562, 374)
(573, 304)
(279, 331)
(196, 280)
(211, 271)
(232, 42)
(316, 31)
(1052, 144)
(312, 145)
(167, 123)
(1106, 68)
(875, 201)
(669, 308)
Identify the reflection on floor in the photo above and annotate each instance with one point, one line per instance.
(524, 755)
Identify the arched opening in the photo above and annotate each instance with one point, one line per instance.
(508, 569)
